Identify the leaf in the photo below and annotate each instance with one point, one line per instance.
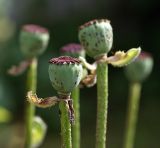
(39, 129)
(121, 58)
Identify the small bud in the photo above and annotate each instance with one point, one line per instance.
(33, 40)
(140, 69)
(65, 73)
(97, 37)
(73, 50)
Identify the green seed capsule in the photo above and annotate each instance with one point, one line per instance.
(97, 37)
(33, 40)
(140, 69)
(73, 50)
(65, 73)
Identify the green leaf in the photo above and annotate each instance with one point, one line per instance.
(121, 58)
(38, 131)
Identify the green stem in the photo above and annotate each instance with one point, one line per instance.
(102, 104)
(132, 114)
(76, 126)
(65, 125)
(30, 108)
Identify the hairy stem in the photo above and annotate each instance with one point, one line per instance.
(132, 114)
(102, 104)
(76, 126)
(30, 108)
(65, 125)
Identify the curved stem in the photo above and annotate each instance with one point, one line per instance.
(132, 114)
(30, 108)
(65, 125)
(102, 104)
(76, 126)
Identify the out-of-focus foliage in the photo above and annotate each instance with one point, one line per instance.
(38, 131)
(7, 26)
(5, 115)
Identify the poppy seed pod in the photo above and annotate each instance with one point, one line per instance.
(33, 40)
(140, 69)
(73, 50)
(97, 37)
(65, 74)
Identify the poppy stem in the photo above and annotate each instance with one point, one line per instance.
(65, 125)
(30, 108)
(102, 104)
(132, 114)
(76, 126)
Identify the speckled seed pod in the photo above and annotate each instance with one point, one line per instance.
(97, 37)
(65, 73)
(140, 69)
(73, 50)
(33, 40)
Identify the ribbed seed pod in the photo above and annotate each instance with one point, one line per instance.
(33, 40)
(65, 74)
(97, 37)
(73, 49)
(140, 69)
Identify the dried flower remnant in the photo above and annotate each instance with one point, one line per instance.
(121, 58)
(18, 70)
(42, 102)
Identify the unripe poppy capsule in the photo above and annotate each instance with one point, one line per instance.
(73, 49)
(97, 37)
(141, 68)
(65, 74)
(33, 40)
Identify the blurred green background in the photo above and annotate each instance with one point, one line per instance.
(135, 23)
